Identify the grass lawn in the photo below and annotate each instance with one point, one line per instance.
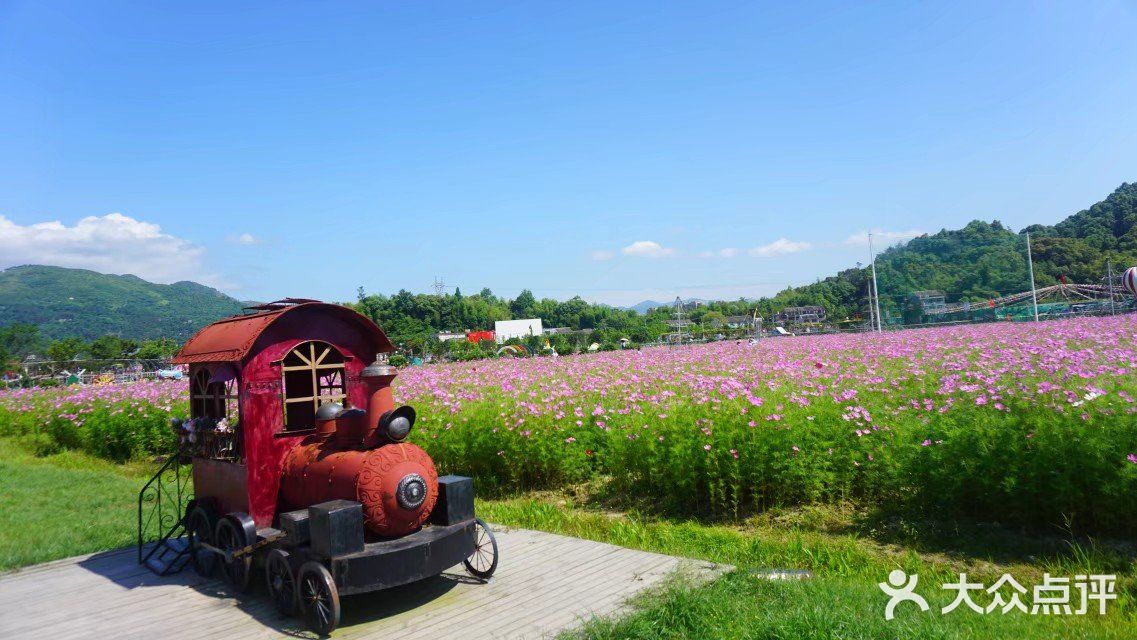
(68, 504)
(63, 505)
(848, 560)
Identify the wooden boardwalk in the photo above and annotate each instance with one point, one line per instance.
(544, 584)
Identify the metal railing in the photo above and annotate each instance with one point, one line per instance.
(162, 503)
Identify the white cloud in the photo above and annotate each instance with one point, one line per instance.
(647, 249)
(882, 238)
(779, 247)
(602, 254)
(113, 243)
(244, 238)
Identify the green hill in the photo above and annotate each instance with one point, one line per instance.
(86, 304)
(980, 261)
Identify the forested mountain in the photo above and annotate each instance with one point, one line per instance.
(86, 304)
(980, 261)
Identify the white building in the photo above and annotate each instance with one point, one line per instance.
(506, 329)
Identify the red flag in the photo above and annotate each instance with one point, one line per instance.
(1062, 278)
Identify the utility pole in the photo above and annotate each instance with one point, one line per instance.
(678, 320)
(1033, 290)
(439, 286)
(875, 299)
(872, 316)
(1109, 279)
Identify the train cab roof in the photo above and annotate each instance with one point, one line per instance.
(233, 339)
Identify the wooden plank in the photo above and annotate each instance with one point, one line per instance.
(471, 613)
(545, 583)
(541, 580)
(563, 596)
(538, 576)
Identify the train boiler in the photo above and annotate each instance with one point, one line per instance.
(301, 464)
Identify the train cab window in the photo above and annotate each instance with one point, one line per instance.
(313, 374)
(213, 395)
(213, 399)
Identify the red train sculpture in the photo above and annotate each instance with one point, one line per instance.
(300, 464)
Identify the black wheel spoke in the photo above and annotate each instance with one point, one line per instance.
(483, 559)
(319, 602)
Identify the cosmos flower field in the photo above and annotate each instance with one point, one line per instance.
(1023, 424)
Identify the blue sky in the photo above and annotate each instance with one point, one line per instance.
(617, 150)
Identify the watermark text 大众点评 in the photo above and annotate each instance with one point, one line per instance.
(1051, 597)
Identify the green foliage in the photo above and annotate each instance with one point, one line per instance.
(20, 339)
(110, 348)
(413, 320)
(66, 349)
(983, 260)
(157, 349)
(85, 304)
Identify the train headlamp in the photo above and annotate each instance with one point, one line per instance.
(396, 424)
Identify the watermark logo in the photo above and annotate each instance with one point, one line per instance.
(902, 588)
(1054, 596)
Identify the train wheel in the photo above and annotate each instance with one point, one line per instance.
(483, 561)
(319, 599)
(199, 530)
(230, 538)
(281, 581)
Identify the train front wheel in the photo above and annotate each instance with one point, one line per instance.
(319, 598)
(483, 561)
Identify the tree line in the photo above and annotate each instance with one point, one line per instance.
(19, 340)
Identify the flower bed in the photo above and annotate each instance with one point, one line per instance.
(1028, 424)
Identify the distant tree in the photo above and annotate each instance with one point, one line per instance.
(110, 348)
(157, 349)
(21, 339)
(523, 305)
(66, 349)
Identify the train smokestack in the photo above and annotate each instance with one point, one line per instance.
(377, 378)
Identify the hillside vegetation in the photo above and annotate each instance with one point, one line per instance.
(980, 261)
(86, 304)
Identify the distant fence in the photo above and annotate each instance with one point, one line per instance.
(40, 372)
